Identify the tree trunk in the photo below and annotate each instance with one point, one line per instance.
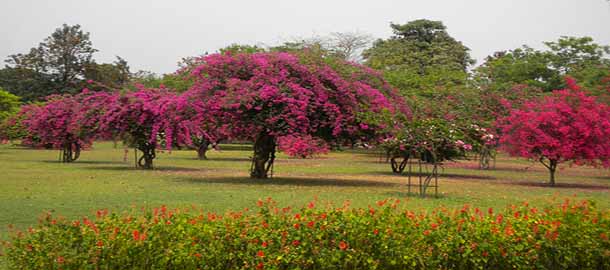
(148, 155)
(552, 168)
(264, 155)
(70, 152)
(202, 149)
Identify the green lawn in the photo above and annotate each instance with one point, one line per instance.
(32, 181)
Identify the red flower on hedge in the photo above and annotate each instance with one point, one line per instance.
(60, 260)
(342, 245)
(260, 265)
(260, 254)
(137, 236)
(100, 243)
(264, 244)
(198, 255)
(311, 205)
(296, 243)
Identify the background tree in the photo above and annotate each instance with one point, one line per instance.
(567, 126)
(419, 46)
(347, 46)
(9, 104)
(29, 84)
(423, 61)
(265, 96)
(503, 70)
(580, 58)
(63, 56)
(114, 75)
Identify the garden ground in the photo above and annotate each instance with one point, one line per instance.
(32, 181)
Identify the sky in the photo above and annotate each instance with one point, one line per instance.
(154, 34)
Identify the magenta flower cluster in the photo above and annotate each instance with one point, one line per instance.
(276, 94)
(306, 105)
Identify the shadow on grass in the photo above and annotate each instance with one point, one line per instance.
(84, 162)
(560, 185)
(132, 168)
(441, 175)
(291, 181)
(603, 177)
(236, 147)
(414, 194)
(231, 159)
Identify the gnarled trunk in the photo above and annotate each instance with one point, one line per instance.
(148, 155)
(202, 149)
(70, 152)
(264, 155)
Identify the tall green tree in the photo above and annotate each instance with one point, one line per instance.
(420, 57)
(578, 57)
(419, 45)
(61, 58)
(525, 65)
(428, 66)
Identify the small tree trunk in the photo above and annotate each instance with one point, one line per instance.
(148, 155)
(264, 155)
(76, 153)
(552, 168)
(203, 149)
(70, 152)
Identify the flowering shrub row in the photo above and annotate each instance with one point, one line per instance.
(570, 235)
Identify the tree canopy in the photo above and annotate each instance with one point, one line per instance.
(265, 96)
(565, 126)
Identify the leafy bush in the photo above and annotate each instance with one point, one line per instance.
(571, 235)
(431, 140)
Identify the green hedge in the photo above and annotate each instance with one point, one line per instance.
(571, 235)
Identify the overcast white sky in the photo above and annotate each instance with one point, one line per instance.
(153, 34)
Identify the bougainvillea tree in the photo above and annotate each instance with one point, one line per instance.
(567, 126)
(265, 96)
(65, 122)
(147, 119)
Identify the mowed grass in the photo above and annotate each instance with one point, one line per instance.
(32, 182)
